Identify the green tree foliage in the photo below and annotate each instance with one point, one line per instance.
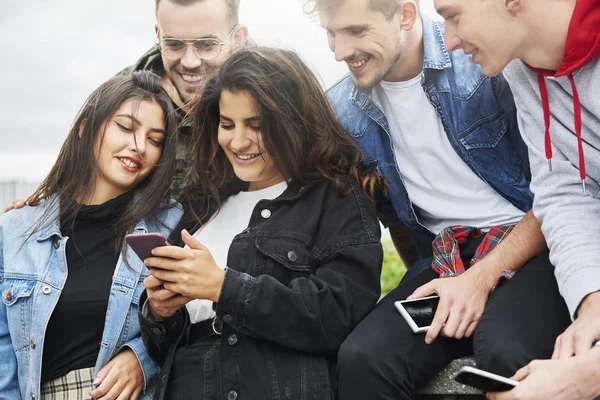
(393, 270)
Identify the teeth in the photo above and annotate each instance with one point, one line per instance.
(129, 163)
(191, 78)
(359, 63)
(247, 156)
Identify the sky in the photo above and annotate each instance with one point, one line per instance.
(55, 53)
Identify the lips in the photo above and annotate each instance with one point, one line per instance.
(357, 64)
(130, 164)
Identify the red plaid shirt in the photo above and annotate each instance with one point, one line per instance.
(446, 248)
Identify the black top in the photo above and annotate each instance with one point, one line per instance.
(74, 331)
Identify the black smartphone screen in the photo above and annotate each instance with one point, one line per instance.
(482, 382)
(422, 311)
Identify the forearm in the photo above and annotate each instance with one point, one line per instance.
(519, 246)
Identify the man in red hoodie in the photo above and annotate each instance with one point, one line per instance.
(549, 51)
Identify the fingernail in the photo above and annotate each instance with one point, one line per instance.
(428, 340)
(152, 251)
(96, 382)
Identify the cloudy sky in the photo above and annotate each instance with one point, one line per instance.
(54, 53)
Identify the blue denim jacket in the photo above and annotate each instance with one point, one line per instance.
(478, 115)
(32, 275)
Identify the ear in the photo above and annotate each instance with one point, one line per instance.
(514, 6)
(157, 31)
(240, 37)
(409, 12)
(82, 127)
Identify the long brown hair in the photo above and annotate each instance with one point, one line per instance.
(73, 175)
(299, 130)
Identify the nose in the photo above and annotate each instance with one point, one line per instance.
(451, 41)
(138, 143)
(240, 140)
(188, 59)
(342, 48)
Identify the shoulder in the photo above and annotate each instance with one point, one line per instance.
(339, 93)
(146, 61)
(348, 205)
(19, 221)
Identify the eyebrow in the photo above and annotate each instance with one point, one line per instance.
(209, 36)
(137, 122)
(442, 10)
(251, 119)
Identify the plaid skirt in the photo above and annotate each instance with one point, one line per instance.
(73, 386)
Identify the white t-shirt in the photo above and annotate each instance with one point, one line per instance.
(217, 235)
(441, 186)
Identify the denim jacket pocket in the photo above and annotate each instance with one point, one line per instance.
(493, 151)
(486, 133)
(14, 289)
(287, 258)
(16, 295)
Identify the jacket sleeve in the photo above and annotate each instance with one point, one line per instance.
(150, 369)
(314, 314)
(9, 383)
(161, 336)
(570, 218)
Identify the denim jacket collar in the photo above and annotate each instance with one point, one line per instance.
(435, 56)
(53, 229)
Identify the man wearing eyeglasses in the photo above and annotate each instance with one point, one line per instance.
(193, 39)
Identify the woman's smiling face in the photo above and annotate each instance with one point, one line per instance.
(240, 138)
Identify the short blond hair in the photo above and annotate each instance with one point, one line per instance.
(232, 5)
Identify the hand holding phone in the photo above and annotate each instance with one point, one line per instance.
(144, 243)
(418, 313)
(483, 380)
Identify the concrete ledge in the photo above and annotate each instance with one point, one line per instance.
(444, 387)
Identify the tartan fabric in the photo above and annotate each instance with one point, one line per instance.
(446, 248)
(73, 386)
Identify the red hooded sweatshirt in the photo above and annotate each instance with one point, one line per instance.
(582, 46)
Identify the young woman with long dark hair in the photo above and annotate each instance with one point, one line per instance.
(68, 314)
(282, 255)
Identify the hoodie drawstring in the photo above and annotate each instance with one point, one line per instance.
(577, 122)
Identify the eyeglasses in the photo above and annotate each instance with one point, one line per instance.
(204, 49)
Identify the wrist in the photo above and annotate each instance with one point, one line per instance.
(590, 302)
(487, 273)
(217, 285)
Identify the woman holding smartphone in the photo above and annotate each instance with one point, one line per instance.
(282, 254)
(70, 293)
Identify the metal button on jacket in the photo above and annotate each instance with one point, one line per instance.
(46, 289)
(292, 256)
(227, 318)
(9, 296)
(266, 213)
(232, 395)
(32, 344)
(56, 244)
(232, 340)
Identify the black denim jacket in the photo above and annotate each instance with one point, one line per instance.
(299, 279)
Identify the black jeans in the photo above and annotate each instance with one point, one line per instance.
(384, 359)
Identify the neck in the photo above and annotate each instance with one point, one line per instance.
(544, 46)
(100, 195)
(172, 92)
(410, 63)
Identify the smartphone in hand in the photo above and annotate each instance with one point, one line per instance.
(143, 243)
(418, 313)
(483, 380)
